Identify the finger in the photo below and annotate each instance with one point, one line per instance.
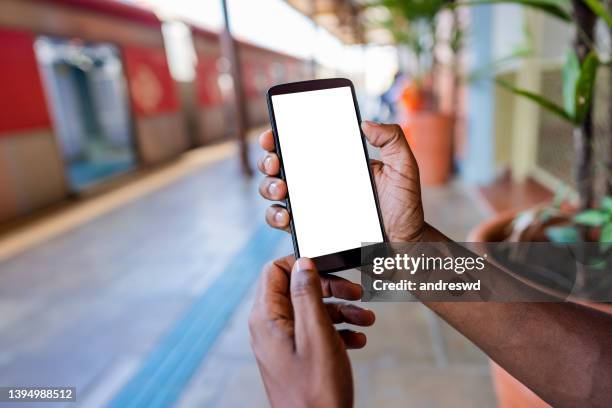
(351, 314)
(273, 188)
(274, 282)
(335, 286)
(331, 285)
(394, 149)
(285, 263)
(277, 217)
(266, 141)
(353, 339)
(269, 164)
(313, 328)
(272, 304)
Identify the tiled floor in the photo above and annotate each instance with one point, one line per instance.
(87, 307)
(413, 358)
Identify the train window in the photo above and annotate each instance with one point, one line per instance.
(224, 81)
(87, 95)
(260, 80)
(279, 73)
(179, 49)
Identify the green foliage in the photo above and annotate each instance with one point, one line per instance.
(563, 234)
(412, 23)
(606, 204)
(605, 236)
(606, 233)
(592, 218)
(578, 79)
(585, 86)
(578, 88)
(556, 8)
(599, 217)
(400, 32)
(600, 10)
(538, 99)
(570, 75)
(414, 10)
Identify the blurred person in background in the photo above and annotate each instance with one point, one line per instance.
(389, 99)
(559, 350)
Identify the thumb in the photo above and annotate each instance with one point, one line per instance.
(394, 149)
(312, 323)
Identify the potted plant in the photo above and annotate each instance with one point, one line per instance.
(428, 130)
(586, 220)
(579, 74)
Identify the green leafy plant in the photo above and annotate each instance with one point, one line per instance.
(578, 86)
(600, 10)
(600, 218)
(413, 24)
(579, 75)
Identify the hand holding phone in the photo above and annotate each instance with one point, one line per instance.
(395, 175)
(323, 157)
(317, 123)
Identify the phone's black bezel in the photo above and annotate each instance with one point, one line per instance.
(350, 258)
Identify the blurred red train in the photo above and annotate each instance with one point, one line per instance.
(87, 94)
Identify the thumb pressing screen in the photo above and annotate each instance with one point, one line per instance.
(330, 193)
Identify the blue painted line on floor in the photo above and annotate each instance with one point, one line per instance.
(166, 371)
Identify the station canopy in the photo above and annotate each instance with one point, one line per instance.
(348, 20)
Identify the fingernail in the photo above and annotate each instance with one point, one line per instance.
(279, 217)
(305, 264)
(267, 162)
(273, 189)
(370, 123)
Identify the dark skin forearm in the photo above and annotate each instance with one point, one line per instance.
(562, 351)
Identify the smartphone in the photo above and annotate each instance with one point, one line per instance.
(324, 160)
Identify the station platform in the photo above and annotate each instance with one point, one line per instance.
(140, 298)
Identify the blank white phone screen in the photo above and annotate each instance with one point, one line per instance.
(332, 201)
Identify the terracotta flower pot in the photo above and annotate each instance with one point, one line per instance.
(510, 392)
(430, 137)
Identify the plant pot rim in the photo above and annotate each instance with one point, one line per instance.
(484, 232)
